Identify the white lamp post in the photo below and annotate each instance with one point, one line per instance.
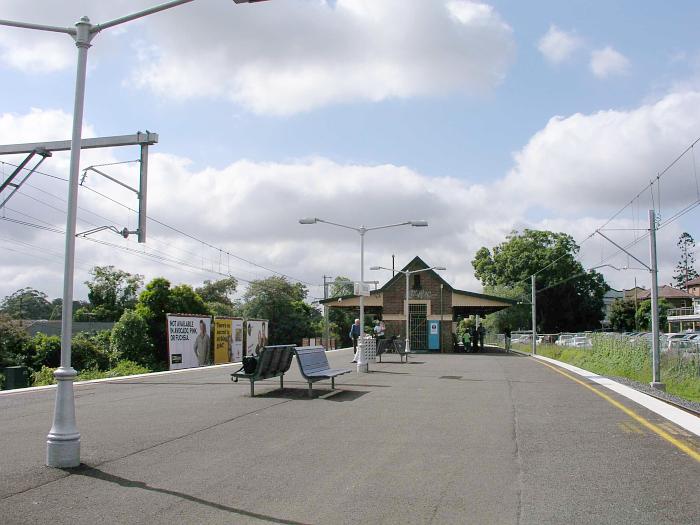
(361, 364)
(408, 273)
(63, 440)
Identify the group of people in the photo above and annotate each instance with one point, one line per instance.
(355, 331)
(474, 338)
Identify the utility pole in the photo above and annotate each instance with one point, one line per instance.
(534, 315)
(653, 270)
(393, 263)
(656, 363)
(326, 328)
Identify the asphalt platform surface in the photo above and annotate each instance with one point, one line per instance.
(453, 438)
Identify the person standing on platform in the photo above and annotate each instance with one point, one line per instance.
(506, 333)
(475, 338)
(354, 335)
(482, 334)
(466, 341)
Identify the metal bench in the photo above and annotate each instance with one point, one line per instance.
(273, 361)
(395, 345)
(314, 366)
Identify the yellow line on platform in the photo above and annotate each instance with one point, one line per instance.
(631, 413)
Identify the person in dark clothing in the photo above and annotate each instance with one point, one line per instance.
(354, 335)
(506, 333)
(482, 333)
(475, 338)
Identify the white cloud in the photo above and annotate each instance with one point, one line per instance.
(607, 62)
(599, 161)
(284, 58)
(571, 176)
(558, 46)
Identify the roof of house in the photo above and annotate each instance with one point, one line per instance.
(667, 292)
(419, 263)
(694, 282)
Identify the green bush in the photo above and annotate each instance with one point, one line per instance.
(45, 350)
(127, 368)
(130, 340)
(13, 340)
(2, 381)
(89, 352)
(43, 376)
(90, 374)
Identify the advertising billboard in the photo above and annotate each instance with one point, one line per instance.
(189, 343)
(256, 336)
(228, 340)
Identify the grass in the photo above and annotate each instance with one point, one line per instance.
(622, 358)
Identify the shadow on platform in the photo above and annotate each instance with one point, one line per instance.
(91, 472)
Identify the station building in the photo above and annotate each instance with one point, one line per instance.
(435, 307)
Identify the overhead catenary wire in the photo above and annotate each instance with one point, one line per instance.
(173, 228)
(635, 201)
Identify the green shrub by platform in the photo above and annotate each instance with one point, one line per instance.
(127, 368)
(43, 376)
(123, 368)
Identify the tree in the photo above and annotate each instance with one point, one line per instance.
(518, 317)
(622, 315)
(643, 315)
(217, 296)
(45, 350)
(27, 303)
(340, 319)
(568, 298)
(685, 269)
(130, 340)
(282, 304)
(12, 342)
(159, 299)
(111, 291)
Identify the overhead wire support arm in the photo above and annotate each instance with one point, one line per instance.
(623, 250)
(92, 168)
(40, 151)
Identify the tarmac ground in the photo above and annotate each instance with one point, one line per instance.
(445, 438)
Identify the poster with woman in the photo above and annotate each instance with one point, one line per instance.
(189, 342)
(256, 336)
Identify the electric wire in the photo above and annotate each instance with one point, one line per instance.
(173, 228)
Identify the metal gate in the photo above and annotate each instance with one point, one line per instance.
(417, 320)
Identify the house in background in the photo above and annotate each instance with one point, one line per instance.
(608, 299)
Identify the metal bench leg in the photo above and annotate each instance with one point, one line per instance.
(252, 388)
(333, 383)
(310, 387)
(282, 382)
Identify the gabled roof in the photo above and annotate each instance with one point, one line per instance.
(418, 263)
(667, 292)
(694, 282)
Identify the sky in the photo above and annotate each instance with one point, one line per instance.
(480, 117)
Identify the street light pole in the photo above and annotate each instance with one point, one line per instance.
(63, 440)
(361, 364)
(362, 230)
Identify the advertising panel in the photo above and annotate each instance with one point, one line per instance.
(189, 343)
(228, 340)
(256, 336)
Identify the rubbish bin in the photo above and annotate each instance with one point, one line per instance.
(15, 377)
